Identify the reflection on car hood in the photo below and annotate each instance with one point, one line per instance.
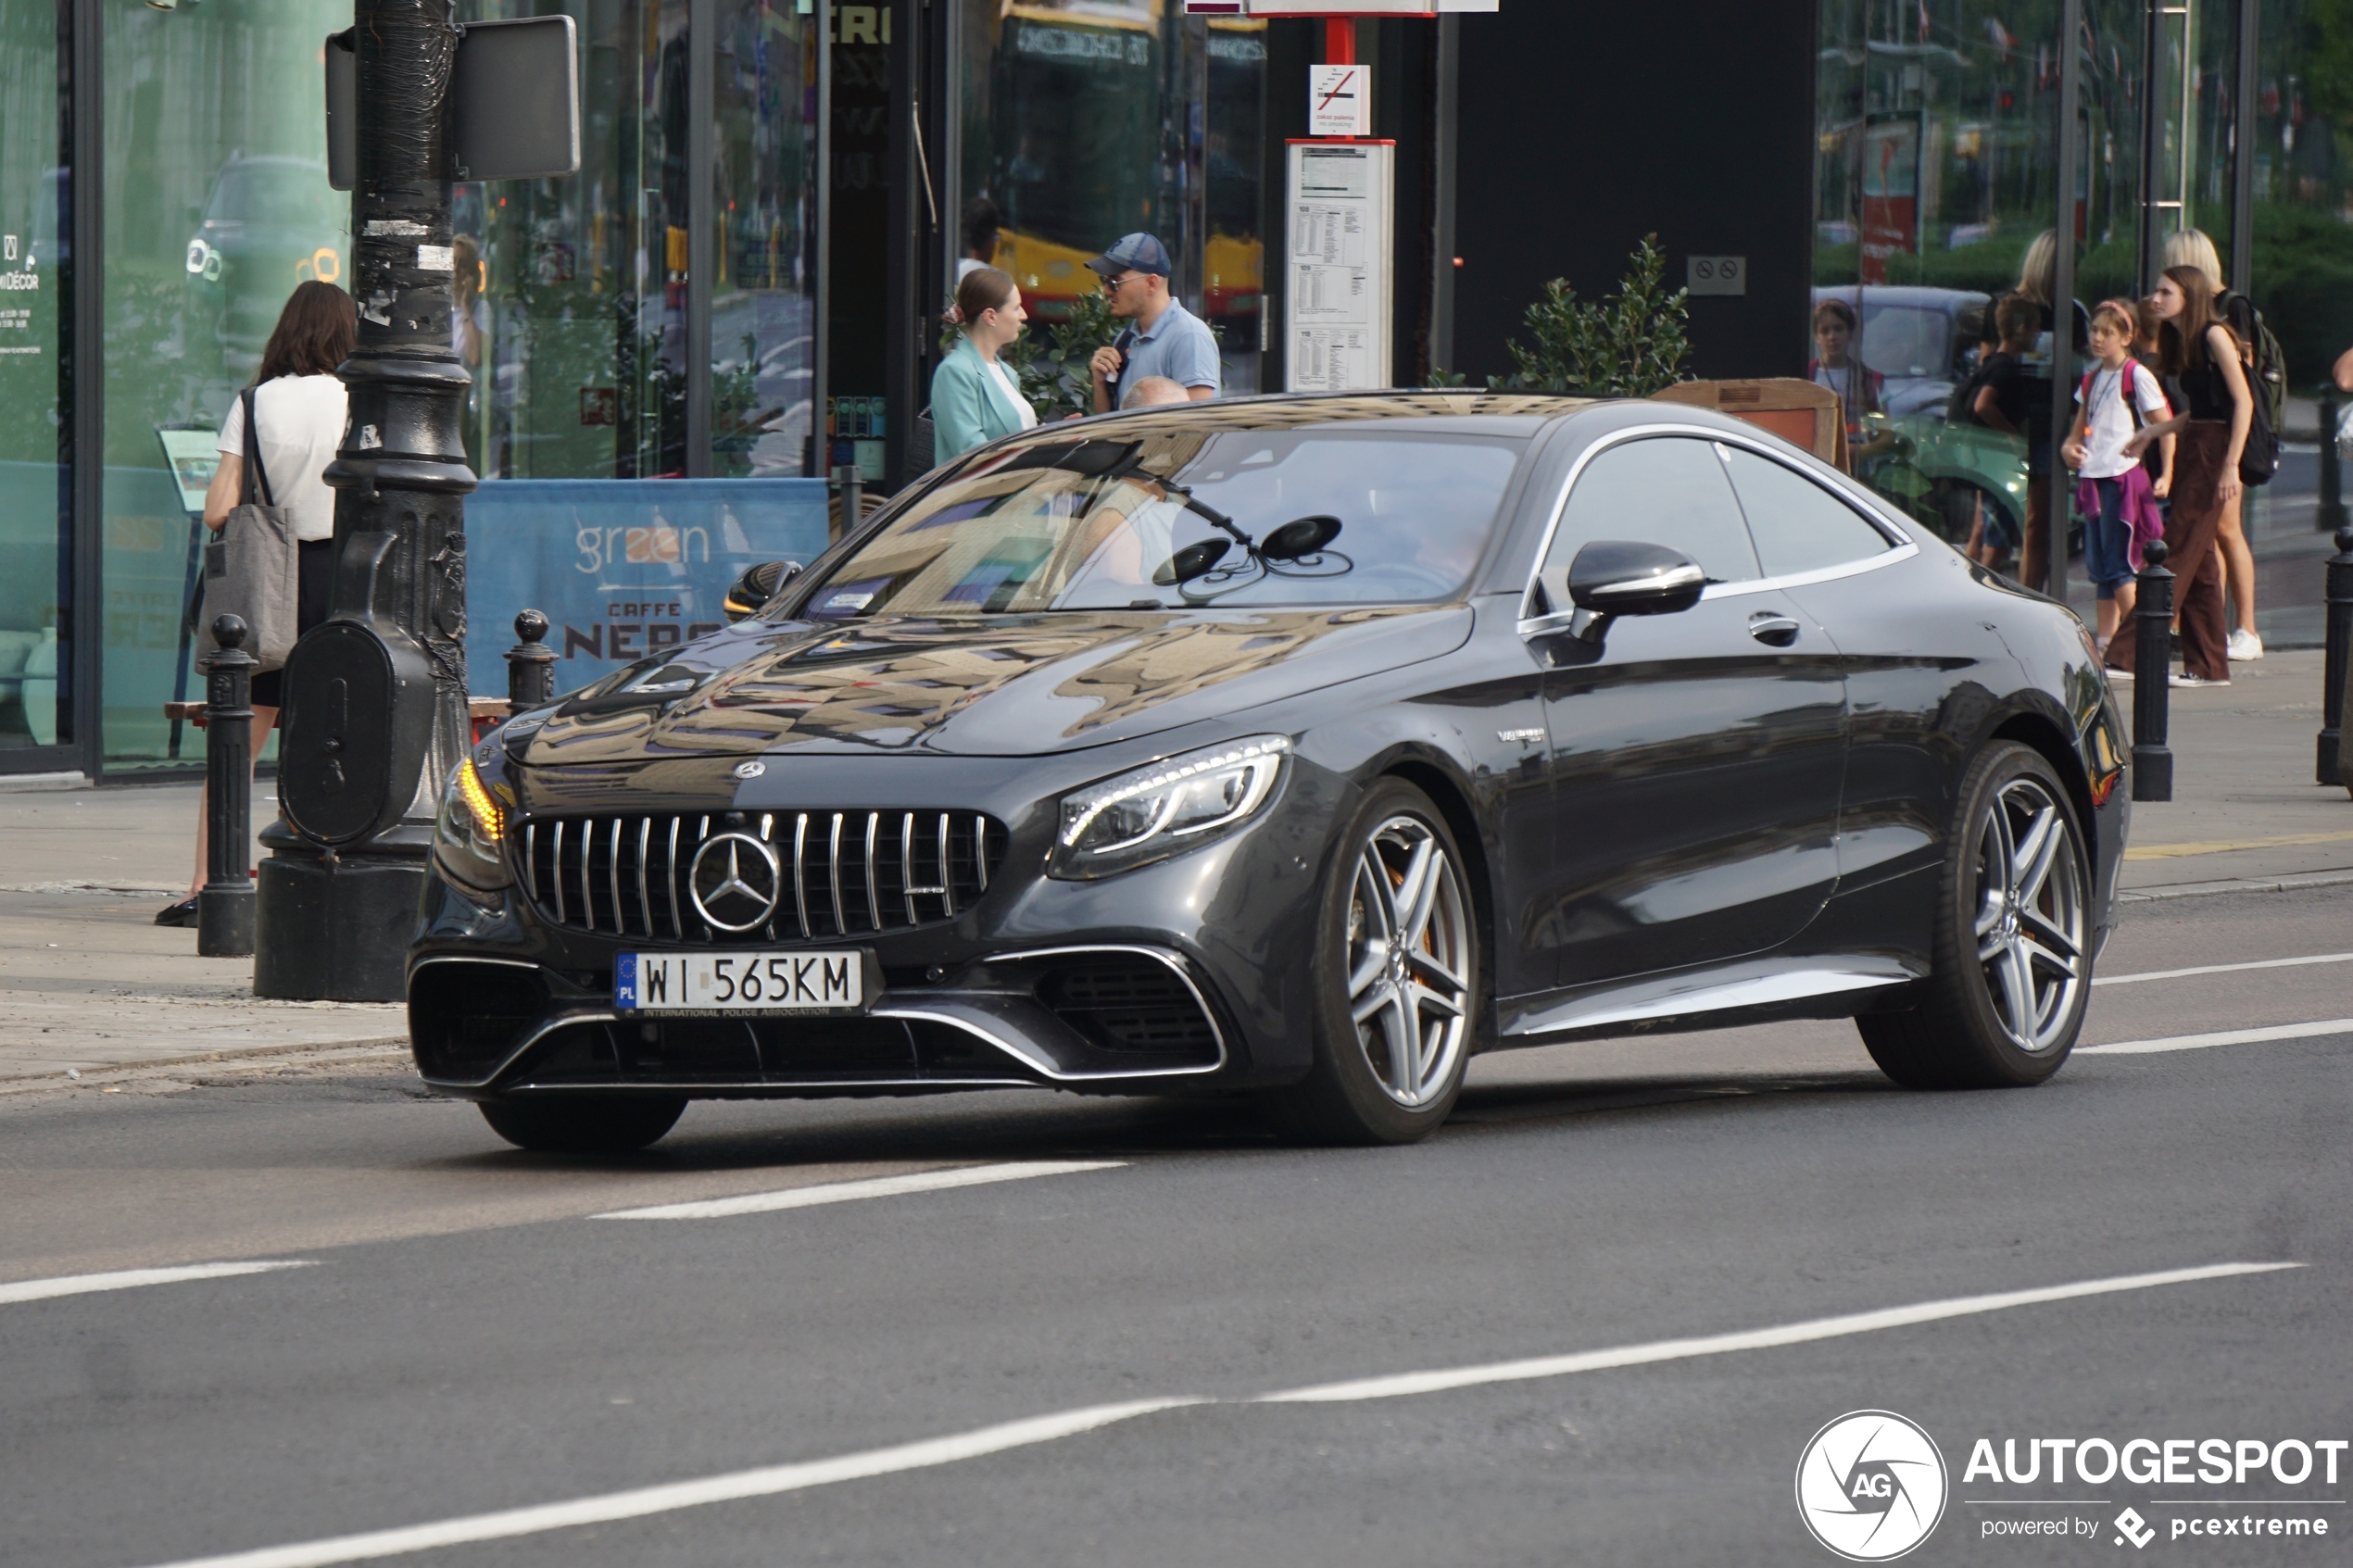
(1000, 686)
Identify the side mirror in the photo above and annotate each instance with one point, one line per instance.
(749, 593)
(1615, 577)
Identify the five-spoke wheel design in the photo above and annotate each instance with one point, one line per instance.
(1408, 960)
(2030, 914)
(2012, 946)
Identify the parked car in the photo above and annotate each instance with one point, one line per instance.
(1295, 747)
(1924, 342)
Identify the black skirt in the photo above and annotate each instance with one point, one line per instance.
(315, 562)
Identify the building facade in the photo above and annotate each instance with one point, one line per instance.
(745, 277)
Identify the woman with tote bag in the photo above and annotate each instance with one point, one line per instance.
(275, 448)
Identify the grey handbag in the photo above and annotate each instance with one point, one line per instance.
(252, 567)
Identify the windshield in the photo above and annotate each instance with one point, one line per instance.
(1106, 524)
(1902, 340)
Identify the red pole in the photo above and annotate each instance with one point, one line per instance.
(1340, 41)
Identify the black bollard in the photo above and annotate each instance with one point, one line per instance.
(531, 664)
(2152, 685)
(224, 908)
(2326, 768)
(853, 497)
(2330, 514)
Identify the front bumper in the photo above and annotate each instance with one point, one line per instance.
(1190, 974)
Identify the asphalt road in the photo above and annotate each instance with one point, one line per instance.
(465, 1338)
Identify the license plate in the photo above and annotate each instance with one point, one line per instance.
(740, 981)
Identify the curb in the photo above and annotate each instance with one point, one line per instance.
(2238, 885)
(25, 1083)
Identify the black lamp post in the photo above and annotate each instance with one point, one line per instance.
(376, 698)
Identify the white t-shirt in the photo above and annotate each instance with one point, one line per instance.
(300, 420)
(1012, 390)
(2111, 425)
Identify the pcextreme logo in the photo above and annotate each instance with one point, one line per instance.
(1871, 1485)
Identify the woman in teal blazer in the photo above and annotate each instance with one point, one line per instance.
(976, 397)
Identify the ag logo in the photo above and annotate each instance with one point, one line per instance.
(1871, 1485)
(736, 881)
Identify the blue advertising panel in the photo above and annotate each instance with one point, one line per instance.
(624, 568)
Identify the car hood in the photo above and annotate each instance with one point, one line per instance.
(1002, 686)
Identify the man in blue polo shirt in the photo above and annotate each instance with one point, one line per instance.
(1162, 338)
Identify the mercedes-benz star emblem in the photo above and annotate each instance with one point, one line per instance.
(750, 770)
(736, 881)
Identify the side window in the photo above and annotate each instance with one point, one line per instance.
(1666, 490)
(1798, 525)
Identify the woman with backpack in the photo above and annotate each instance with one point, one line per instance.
(2205, 357)
(279, 438)
(2192, 248)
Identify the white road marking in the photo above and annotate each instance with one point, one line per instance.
(2221, 969)
(643, 1500)
(1754, 1339)
(2226, 1038)
(877, 1186)
(131, 1279)
(774, 1479)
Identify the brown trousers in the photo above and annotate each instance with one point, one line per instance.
(2191, 529)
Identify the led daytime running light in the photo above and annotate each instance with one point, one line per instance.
(1271, 747)
(489, 821)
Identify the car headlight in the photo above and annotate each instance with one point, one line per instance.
(1164, 808)
(470, 832)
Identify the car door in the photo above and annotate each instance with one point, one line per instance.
(1696, 756)
(1913, 669)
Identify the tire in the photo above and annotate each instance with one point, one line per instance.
(588, 1125)
(1394, 1020)
(2012, 976)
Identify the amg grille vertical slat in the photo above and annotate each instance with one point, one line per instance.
(530, 857)
(670, 882)
(907, 864)
(842, 925)
(800, 872)
(980, 850)
(947, 875)
(612, 877)
(645, 899)
(768, 837)
(874, 887)
(557, 881)
(587, 884)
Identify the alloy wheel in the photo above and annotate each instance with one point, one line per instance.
(2030, 915)
(1408, 960)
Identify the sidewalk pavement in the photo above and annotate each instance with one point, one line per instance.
(90, 983)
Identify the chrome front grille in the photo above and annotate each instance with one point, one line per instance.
(847, 874)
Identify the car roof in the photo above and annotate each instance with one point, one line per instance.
(1493, 413)
(1903, 294)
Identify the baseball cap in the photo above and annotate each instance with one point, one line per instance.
(1134, 253)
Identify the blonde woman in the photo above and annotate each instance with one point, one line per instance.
(2192, 248)
(2037, 283)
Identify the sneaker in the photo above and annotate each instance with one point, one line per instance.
(2119, 677)
(183, 913)
(2180, 679)
(2245, 646)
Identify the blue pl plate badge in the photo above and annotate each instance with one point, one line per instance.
(625, 981)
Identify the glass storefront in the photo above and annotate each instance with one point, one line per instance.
(35, 513)
(1087, 120)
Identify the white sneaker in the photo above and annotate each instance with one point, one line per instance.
(2119, 677)
(2181, 679)
(2245, 646)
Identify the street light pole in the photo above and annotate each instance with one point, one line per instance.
(376, 697)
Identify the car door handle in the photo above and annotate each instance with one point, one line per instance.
(1775, 631)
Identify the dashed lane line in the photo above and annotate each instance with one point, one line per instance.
(774, 1480)
(2221, 969)
(132, 1279)
(875, 1187)
(2222, 1038)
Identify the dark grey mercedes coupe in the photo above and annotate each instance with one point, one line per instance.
(1295, 747)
